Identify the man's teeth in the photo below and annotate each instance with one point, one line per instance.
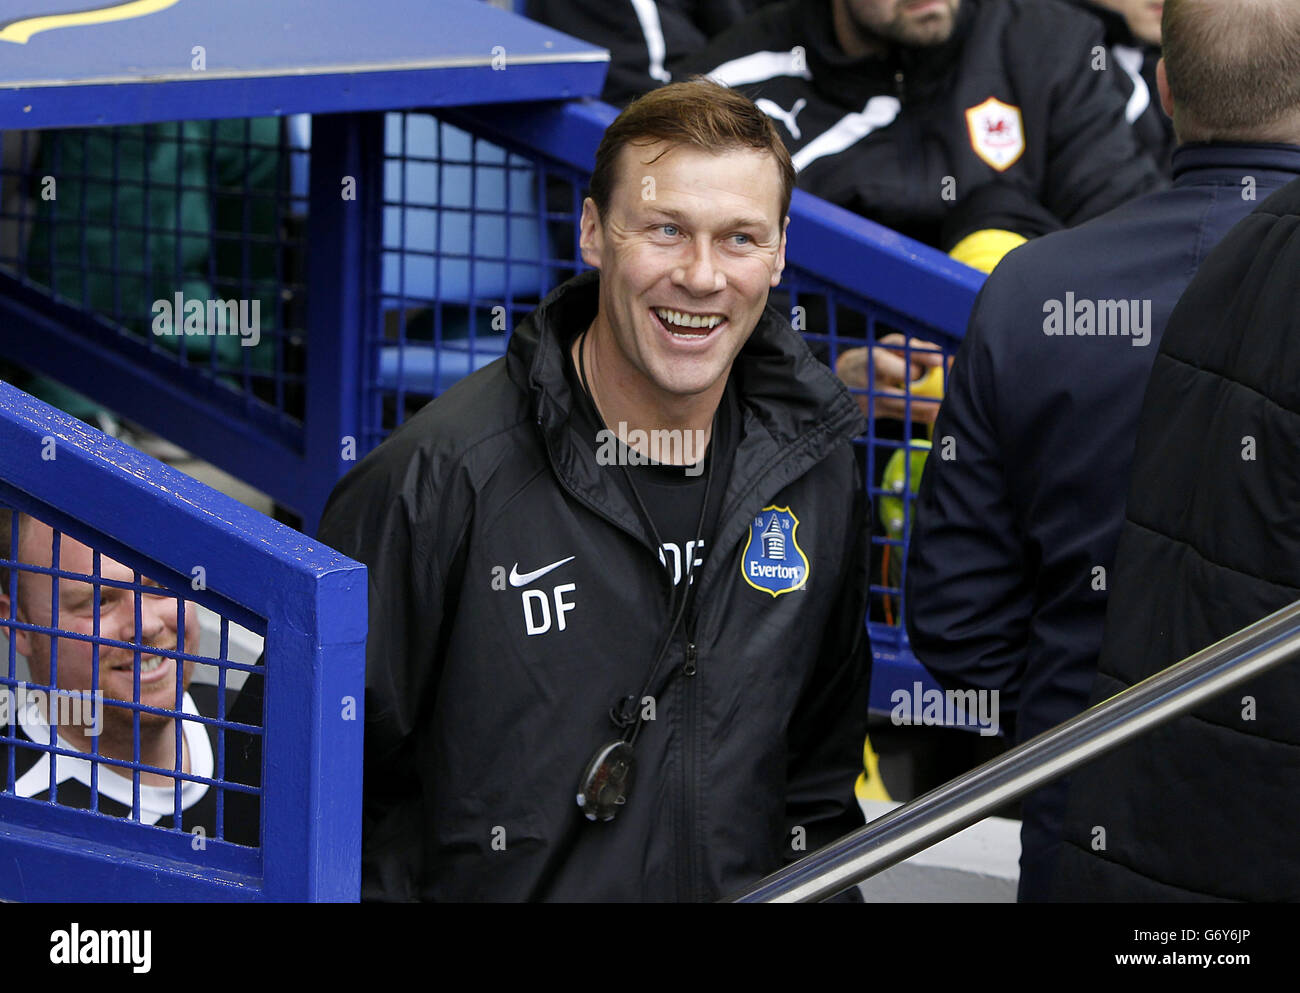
(684, 320)
(146, 665)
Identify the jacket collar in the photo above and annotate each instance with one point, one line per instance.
(794, 408)
(1201, 162)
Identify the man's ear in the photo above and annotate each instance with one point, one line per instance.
(22, 639)
(1162, 84)
(592, 243)
(780, 255)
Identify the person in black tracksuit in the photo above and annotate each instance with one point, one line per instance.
(1134, 51)
(522, 587)
(647, 39)
(905, 134)
(1013, 558)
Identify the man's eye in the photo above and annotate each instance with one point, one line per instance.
(741, 239)
(669, 229)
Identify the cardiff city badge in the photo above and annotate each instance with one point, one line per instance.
(773, 561)
(997, 133)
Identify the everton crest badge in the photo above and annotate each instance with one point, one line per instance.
(773, 561)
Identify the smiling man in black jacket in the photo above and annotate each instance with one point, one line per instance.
(617, 579)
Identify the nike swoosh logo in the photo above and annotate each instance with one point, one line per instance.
(528, 577)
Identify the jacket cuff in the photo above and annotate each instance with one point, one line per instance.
(983, 250)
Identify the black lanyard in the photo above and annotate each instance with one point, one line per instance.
(608, 776)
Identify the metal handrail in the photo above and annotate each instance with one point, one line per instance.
(961, 802)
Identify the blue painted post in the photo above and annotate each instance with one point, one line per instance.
(343, 272)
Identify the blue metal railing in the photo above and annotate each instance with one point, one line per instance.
(196, 545)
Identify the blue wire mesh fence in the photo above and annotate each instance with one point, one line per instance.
(184, 240)
(117, 697)
(181, 685)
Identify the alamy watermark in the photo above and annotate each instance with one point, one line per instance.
(179, 316)
(1072, 316)
(946, 708)
(675, 447)
(59, 708)
(102, 947)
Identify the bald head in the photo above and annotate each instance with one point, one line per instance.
(1233, 69)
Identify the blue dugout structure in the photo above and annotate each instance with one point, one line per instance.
(307, 601)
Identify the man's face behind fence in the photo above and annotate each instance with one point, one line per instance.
(904, 22)
(688, 249)
(75, 658)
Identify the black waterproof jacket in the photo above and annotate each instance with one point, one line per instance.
(477, 731)
(1206, 807)
(1010, 101)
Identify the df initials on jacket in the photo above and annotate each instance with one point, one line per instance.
(1205, 807)
(478, 730)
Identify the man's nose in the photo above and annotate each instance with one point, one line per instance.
(157, 614)
(699, 275)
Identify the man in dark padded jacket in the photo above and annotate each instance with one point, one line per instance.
(1205, 807)
(617, 647)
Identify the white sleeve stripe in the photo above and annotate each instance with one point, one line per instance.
(1130, 60)
(848, 130)
(759, 66)
(647, 13)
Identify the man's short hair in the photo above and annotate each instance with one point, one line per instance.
(699, 113)
(1234, 68)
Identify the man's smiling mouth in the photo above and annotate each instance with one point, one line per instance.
(682, 324)
(149, 667)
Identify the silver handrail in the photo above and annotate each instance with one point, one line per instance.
(961, 802)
